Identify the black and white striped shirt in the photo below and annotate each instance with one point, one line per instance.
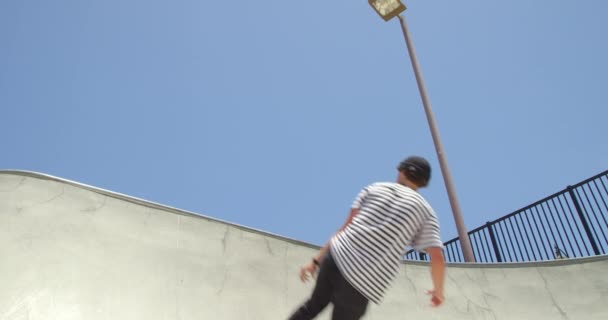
(391, 218)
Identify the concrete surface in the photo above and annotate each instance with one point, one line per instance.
(70, 251)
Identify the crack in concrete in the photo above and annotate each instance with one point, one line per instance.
(19, 184)
(485, 296)
(225, 239)
(53, 198)
(268, 246)
(470, 302)
(480, 310)
(449, 275)
(179, 226)
(225, 268)
(286, 275)
(147, 218)
(223, 283)
(409, 280)
(23, 305)
(94, 208)
(553, 301)
(469, 276)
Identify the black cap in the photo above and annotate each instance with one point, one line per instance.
(416, 167)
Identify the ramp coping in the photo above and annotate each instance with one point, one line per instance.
(155, 205)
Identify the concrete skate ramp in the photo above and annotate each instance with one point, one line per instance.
(70, 251)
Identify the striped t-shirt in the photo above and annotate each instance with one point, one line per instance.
(391, 218)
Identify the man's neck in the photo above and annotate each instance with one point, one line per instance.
(409, 184)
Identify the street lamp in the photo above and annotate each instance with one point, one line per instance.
(388, 9)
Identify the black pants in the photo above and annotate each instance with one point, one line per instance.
(331, 286)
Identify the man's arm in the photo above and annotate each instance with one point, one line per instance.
(310, 268)
(437, 275)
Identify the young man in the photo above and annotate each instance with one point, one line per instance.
(363, 257)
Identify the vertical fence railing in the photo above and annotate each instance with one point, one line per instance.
(568, 224)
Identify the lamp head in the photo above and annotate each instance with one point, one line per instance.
(387, 9)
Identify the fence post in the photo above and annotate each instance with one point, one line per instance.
(421, 256)
(581, 216)
(494, 243)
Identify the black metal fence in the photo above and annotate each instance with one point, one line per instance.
(568, 224)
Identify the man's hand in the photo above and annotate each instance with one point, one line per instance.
(436, 297)
(307, 271)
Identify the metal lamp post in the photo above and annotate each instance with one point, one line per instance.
(388, 9)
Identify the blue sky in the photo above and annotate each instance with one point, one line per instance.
(273, 114)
